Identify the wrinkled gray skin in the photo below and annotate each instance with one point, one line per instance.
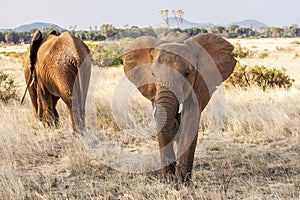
(178, 75)
(62, 69)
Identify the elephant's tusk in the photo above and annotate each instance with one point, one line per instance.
(28, 85)
(180, 108)
(32, 82)
(154, 110)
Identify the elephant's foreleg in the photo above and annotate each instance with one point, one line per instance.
(185, 163)
(187, 141)
(168, 159)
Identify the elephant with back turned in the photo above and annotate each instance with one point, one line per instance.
(179, 76)
(58, 66)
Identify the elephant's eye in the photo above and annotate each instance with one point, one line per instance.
(186, 74)
(153, 74)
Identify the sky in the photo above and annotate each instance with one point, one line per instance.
(144, 13)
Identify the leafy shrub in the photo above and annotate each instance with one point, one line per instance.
(232, 35)
(295, 42)
(22, 56)
(263, 54)
(239, 77)
(285, 49)
(108, 53)
(261, 76)
(241, 52)
(13, 54)
(7, 88)
(19, 55)
(91, 45)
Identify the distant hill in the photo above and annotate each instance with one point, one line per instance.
(185, 24)
(256, 25)
(250, 23)
(35, 25)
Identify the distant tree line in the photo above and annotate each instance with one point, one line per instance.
(108, 31)
(20, 37)
(235, 31)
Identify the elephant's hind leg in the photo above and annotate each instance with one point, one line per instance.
(45, 106)
(56, 116)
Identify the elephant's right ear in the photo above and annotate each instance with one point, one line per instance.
(35, 45)
(137, 60)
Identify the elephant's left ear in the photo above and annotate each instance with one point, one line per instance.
(54, 32)
(34, 46)
(220, 52)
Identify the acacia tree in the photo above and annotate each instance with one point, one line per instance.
(11, 37)
(165, 16)
(277, 32)
(2, 39)
(72, 29)
(218, 29)
(108, 30)
(294, 30)
(266, 31)
(178, 14)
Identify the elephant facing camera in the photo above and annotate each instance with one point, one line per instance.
(179, 76)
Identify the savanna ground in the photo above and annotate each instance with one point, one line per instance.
(248, 145)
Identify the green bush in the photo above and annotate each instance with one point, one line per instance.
(239, 77)
(261, 76)
(295, 42)
(108, 54)
(263, 55)
(241, 52)
(19, 55)
(91, 45)
(7, 88)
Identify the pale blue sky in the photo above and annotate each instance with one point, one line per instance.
(145, 12)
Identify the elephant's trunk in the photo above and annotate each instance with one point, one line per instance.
(166, 105)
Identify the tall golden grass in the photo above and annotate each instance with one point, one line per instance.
(248, 145)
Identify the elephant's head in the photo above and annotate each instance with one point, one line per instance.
(179, 76)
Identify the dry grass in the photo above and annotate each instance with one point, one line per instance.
(255, 156)
(281, 53)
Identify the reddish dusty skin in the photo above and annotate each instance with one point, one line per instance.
(62, 70)
(204, 66)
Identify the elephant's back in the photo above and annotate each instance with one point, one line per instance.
(65, 48)
(59, 59)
